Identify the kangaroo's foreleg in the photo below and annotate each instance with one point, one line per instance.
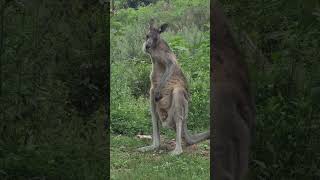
(169, 68)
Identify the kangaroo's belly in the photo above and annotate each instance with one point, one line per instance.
(165, 107)
(164, 104)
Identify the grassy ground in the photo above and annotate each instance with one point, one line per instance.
(127, 163)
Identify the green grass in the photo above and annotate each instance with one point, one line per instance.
(127, 163)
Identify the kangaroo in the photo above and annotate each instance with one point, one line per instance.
(168, 93)
(233, 104)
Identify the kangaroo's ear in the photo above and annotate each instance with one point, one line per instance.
(163, 27)
(151, 23)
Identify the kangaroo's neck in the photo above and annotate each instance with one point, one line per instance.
(162, 46)
(162, 53)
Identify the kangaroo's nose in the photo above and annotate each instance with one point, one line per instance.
(147, 46)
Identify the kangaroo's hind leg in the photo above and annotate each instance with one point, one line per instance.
(179, 105)
(242, 146)
(155, 126)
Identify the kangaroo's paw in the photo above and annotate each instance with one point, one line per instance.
(176, 152)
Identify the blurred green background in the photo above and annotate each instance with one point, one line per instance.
(285, 75)
(53, 81)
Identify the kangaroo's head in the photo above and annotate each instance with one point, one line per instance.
(153, 36)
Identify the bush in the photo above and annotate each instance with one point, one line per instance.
(128, 114)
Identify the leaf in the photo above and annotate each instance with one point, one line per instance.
(260, 164)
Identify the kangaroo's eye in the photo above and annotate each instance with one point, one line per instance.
(147, 36)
